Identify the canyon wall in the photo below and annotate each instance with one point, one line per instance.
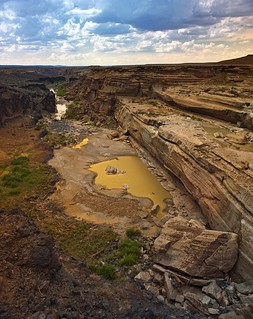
(217, 175)
(21, 93)
(224, 193)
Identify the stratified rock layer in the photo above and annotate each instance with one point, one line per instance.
(187, 247)
(155, 104)
(23, 93)
(222, 189)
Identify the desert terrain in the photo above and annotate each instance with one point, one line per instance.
(180, 251)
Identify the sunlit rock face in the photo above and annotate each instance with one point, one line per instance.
(187, 247)
(213, 163)
(213, 176)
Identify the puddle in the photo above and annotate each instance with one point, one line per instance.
(83, 143)
(210, 130)
(136, 178)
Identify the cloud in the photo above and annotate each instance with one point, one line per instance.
(80, 28)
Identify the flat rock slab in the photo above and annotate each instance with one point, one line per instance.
(186, 246)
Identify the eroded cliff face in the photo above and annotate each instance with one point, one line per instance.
(221, 92)
(21, 93)
(210, 152)
(213, 173)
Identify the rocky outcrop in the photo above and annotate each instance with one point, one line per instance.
(187, 247)
(214, 177)
(186, 87)
(19, 97)
(156, 103)
(38, 281)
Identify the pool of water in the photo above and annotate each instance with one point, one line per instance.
(137, 179)
(84, 142)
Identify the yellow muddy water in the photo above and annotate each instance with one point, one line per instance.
(137, 179)
(83, 143)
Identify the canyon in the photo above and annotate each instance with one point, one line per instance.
(191, 124)
(196, 121)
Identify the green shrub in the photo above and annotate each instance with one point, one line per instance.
(22, 160)
(133, 233)
(153, 103)
(129, 252)
(16, 175)
(106, 271)
(129, 246)
(72, 112)
(128, 260)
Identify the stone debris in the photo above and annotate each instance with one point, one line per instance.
(218, 135)
(111, 170)
(170, 290)
(217, 298)
(245, 288)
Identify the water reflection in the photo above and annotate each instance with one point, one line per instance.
(137, 179)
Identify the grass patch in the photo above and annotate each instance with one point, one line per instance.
(21, 180)
(22, 160)
(72, 112)
(133, 233)
(153, 103)
(60, 89)
(107, 271)
(81, 240)
(58, 139)
(129, 252)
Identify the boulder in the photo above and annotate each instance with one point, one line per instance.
(245, 288)
(187, 247)
(111, 170)
(170, 290)
(213, 290)
(198, 302)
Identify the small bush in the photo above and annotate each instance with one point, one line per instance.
(129, 252)
(72, 112)
(15, 192)
(129, 246)
(153, 103)
(22, 160)
(133, 233)
(106, 271)
(128, 260)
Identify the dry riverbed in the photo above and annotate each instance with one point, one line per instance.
(81, 197)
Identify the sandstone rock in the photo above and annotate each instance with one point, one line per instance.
(179, 299)
(143, 276)
(246, 299)
(213, 290)
(111, 170)
(210, 179)
(245, 288)
(154, 210)
(195, 302)
(213, 311)
(114, 134)
(186, 246)
(230, 315)
(170, 290)
(218, 135)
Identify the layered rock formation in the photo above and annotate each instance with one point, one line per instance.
(222, 92)
(215, 177)
(187, 247)
(22, 93)
(209, 154)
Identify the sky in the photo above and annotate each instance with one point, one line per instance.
(112, 32)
